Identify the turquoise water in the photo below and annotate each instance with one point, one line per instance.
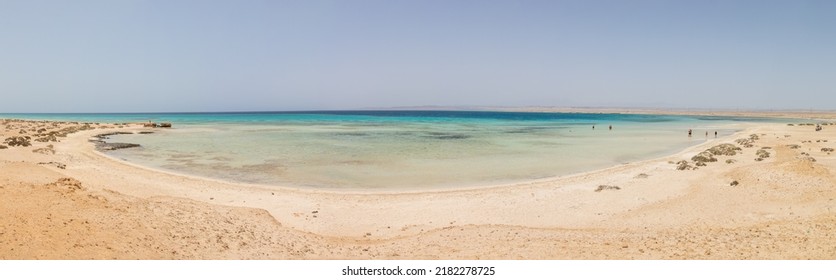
(401, 149)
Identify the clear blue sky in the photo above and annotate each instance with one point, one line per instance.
(153, 56)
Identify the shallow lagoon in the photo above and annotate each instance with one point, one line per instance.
(410, 149)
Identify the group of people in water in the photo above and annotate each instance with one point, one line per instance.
(706, 133)
(690, 132)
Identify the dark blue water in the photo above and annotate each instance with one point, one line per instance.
(373, 116)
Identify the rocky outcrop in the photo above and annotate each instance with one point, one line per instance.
(703, 157)
(115, 146)
(104, 146)
(48, 150)
(683, 165)
(56, 164)
(47, 138)
(105, 135)
(724, 150)
(748, 142)
(606, 187)
(165, 125)
(18, 141)
(762, 154)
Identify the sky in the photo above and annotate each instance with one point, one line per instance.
(207, 56)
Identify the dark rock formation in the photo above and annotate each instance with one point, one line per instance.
(724, 150)
(105, 135)
(762, 154)
(18, 141)
(56, 164)
(748, 142)
(703, 157)
(115, 146)
(47, 138)
(606, 187)
(47, 151)
(683, 165)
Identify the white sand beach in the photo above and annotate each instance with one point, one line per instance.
(65, 200)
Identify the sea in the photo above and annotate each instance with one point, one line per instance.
(412, 150)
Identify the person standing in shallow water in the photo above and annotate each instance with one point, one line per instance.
(715, 134)
(689, 133)
(610, 127)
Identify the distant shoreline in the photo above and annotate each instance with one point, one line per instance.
(777, 113)
(780, 113)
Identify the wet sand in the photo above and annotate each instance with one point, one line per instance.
(69, 201)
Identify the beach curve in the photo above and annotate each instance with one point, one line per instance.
(566, 206)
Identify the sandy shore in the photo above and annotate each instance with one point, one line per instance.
(68, 201)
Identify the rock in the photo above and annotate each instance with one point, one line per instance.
(641, 176)
(105, 135)
(46, 151)
(734, 183)
(730, 161)
(808, 158)
(149, 124)
(56, 164)
(826, 149)
(3, 147)
(746, 143)
(48, 138)
(762, 154)
(67, 185)
(165, 125)
(18, 141)
(793, 146)
(683, 165)
(704, 157)
(146, 132)
(606, 187)
(115, 146)
(724, 150)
